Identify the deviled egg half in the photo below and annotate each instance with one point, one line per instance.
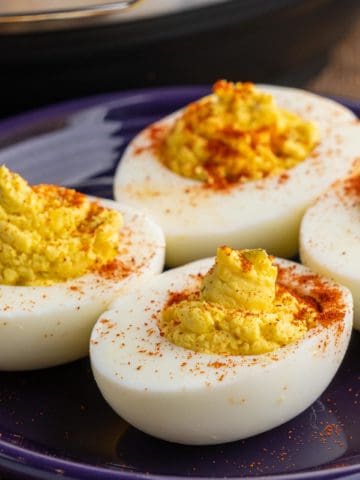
(213, 352)
(238, 167)
(63, 259)
(330, 237)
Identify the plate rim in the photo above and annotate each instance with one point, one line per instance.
(70, 467)
(72, 106)
(55, 108)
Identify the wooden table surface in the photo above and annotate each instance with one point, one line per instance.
(341, 76)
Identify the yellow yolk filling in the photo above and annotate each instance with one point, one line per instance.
(236, 135)
(239, 310)
(50, 234)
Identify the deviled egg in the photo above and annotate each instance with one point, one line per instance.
(238, 167)
(216, 352)
(330, 237)
(63, 259)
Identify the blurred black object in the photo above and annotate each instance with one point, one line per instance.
(274, 41)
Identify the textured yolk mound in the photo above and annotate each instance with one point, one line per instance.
(50, 234)
(239, 310)
(235, 135)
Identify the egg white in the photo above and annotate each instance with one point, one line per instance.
(192, 398)
(330, 239)
(264, 213)
(43, 326)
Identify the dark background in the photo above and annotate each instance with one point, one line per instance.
(288, 42)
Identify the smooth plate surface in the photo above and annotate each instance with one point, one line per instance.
(54, 423)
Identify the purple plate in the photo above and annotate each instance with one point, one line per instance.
(54, 423)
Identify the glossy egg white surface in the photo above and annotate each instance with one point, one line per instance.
(330, 237)
(192, 398)
(264, 213)
(43, 326)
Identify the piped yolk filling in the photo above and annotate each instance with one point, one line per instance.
(239, 309)
(50, 234)
(236, 135)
